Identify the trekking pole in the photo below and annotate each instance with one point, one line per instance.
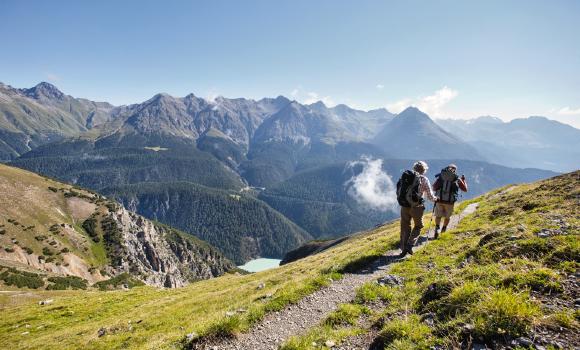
(431, 219)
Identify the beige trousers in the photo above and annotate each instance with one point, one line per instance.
(409, 236)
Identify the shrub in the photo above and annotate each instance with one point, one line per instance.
(409, 330)
(120, 280)
(61, 283)
(53, 189)
(20, 279)
(504, 312)
(47, 252)
(346, 314)
(540, 279)
(372, 291)
(90, 226)
(226, 327)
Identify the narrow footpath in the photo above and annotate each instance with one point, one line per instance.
(298, 318)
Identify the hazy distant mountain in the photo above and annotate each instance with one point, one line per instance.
(42, 114)
(413, 135)
(526, 142)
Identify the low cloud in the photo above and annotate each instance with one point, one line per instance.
(568, 111)
(311, 97)
(380, 86)
(432, 104)
(373, 187)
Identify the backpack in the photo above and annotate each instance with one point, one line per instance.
(408, 190)
(448, 188)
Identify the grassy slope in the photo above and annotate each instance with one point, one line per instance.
(74, 318)
(40, 209)
(491, 279)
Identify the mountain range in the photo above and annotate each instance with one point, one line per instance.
(239, 173)
(530, 142)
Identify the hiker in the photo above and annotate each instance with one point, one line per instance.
(447, 185)
(411, 188)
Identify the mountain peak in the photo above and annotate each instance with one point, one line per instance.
(413, 114)
(44, 90)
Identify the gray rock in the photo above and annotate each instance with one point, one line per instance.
(523, 341)
(261, 285)
(45, 302)
(390, 280)
(101, 332)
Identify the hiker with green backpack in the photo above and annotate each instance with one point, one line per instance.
(447, 185)
(411, 188)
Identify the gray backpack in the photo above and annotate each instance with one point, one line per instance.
(448, 188)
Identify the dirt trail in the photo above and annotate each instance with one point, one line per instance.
(296, 319)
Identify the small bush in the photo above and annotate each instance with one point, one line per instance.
(346, 314)
(409, 330)
(90, 226)
(540, 279)
(20, 279)
(53, 189)
(69, 282)
(47, 252)
(123, 279)
(504, 313)
(372, 291)
(226, 327)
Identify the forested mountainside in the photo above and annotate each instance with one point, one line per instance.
(318, 199)
(242, 226)
(57, 236)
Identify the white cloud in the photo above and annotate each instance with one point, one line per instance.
(399, 106)
(373, 187)
(569, 111)
(312, 97)
(380, 86)
(432, 104)
(212, 95)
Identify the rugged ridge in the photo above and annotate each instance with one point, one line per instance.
(161, 255)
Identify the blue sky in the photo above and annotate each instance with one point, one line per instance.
(451, 58)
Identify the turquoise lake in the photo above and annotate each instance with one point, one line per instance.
(260, 264)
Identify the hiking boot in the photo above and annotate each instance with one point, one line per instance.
(403, 253)
(436, 233)
(444, 229)
(410, 250)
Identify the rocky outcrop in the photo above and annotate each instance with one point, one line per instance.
(162, 256)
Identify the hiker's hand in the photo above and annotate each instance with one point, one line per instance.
(462, 177)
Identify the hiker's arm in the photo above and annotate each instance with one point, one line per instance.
(462, 184)
(425, 187)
